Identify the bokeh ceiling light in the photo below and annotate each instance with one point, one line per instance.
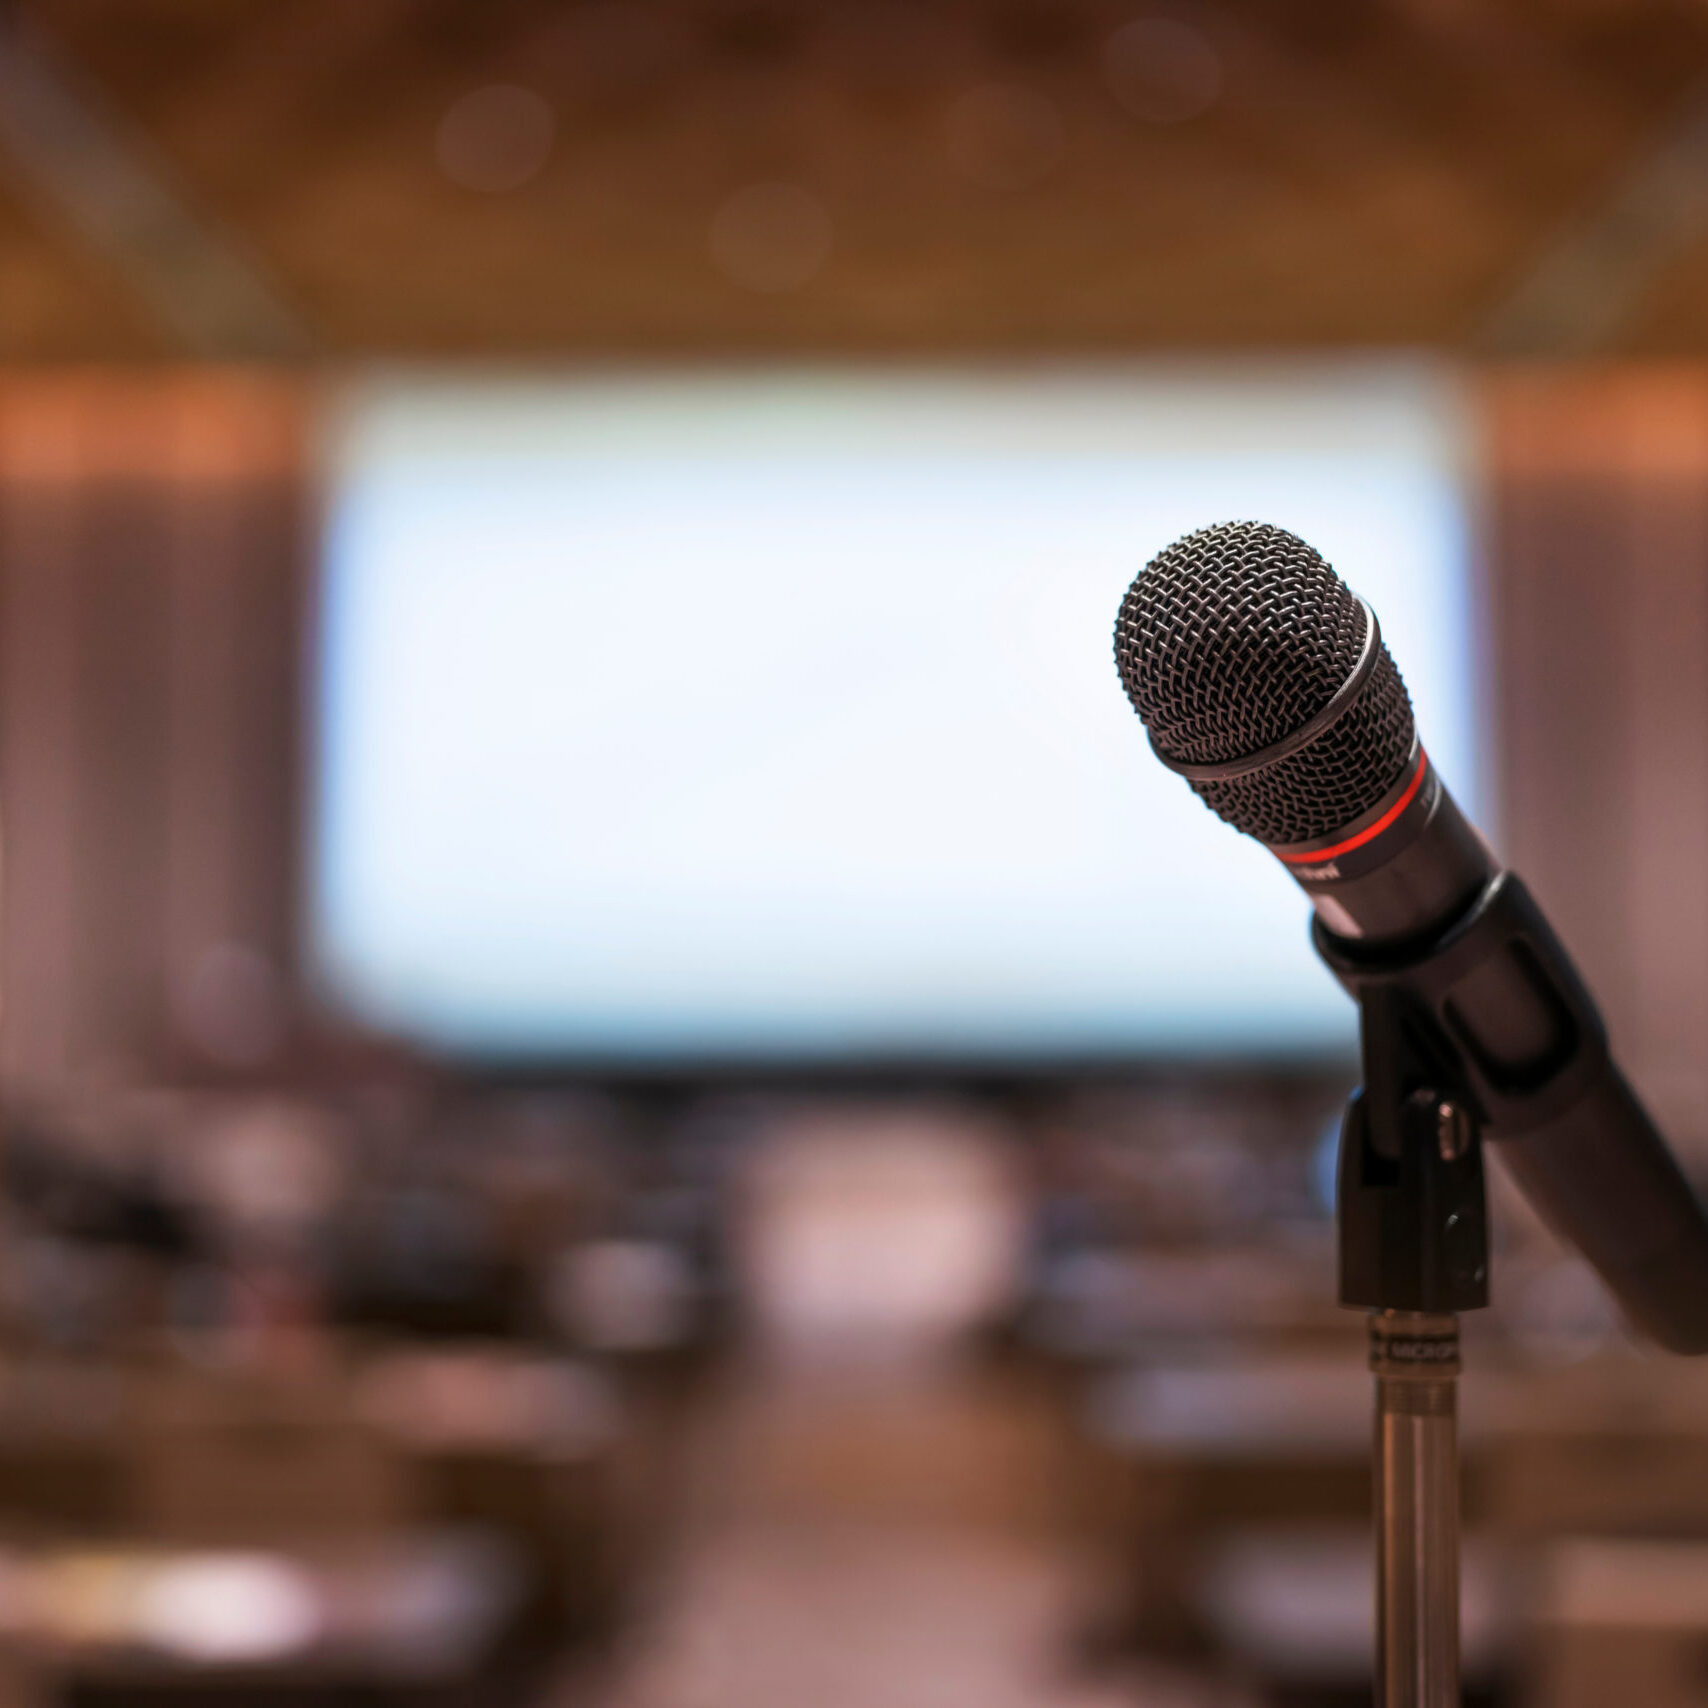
(770, 237)
(1003, 137)
(1162, 71)
(496, 138)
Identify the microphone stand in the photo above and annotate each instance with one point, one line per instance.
(1413, 1236)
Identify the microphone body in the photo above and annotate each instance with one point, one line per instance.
(1264, 681)
(1402, 870)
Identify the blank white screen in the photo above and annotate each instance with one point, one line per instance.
(773, 716)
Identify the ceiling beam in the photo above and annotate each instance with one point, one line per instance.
(76, 162)
(1584, 291)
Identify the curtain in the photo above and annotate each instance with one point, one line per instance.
(1596, 542)
(154, 534)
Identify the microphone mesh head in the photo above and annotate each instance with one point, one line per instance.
(1234, 638)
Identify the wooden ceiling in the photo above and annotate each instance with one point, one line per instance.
(517, 178)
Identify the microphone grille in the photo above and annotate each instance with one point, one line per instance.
(1234, 638)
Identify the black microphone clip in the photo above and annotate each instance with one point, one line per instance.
(1445, 1065)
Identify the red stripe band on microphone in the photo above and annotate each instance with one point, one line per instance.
(1311, 856)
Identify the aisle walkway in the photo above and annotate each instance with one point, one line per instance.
(874, 1518)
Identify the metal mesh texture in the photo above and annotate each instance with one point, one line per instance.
(1233, 638)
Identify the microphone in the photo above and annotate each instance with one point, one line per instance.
(1263, 680)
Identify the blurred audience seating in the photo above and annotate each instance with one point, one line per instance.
(405, 1372)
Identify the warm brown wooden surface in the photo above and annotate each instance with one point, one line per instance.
(1367, 173)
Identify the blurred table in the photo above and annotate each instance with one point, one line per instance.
(1294, 1607)
(526, 1445)
(1195, 1453)
(1096, 1304)
(1620, 1622)
(65, 1443)
(1616, 1445)
(371, 1443)
(1620, 1440)
(1198, 1447)
(419, 1618)
(1188, 1455)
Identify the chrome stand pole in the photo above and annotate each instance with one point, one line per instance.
(1415, 1360)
